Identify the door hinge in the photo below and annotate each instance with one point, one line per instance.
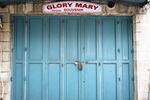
(132, 78)
(118, 50)
(25, 49)
(132, 51)
(118, 22)
(11, 79)
(26, 21)
(12, 49)
(24, 79)
(99, 64)
(62, 65)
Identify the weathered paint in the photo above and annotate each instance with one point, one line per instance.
(46, 48)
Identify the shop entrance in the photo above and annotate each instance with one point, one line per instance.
(72, 58)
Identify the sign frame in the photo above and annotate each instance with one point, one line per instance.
(72, 7)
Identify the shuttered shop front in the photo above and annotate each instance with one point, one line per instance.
(72, 58)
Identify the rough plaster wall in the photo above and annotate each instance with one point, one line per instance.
(141, 41)
(5, 53)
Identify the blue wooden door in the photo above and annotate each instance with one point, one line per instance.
(72, 58)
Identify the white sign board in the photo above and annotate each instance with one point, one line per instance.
(71, 7)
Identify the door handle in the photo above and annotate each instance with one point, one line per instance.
(79, 65)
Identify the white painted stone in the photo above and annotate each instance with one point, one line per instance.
(27, 8)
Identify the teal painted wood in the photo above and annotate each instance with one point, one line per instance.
(18, 61)
(46, 49)
(35, 58)
(89, 49)
(54, 59)
(71, 46)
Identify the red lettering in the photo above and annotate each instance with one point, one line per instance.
(90, 6)
(64, 4)
(69, 4)
(95, 7)
(78, 5)
(54, 7)
(85, 6)
(49, 7)
(59, 5)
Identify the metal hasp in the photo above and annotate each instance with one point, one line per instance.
(79, 65)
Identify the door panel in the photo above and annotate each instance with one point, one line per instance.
(72, 31)
(125, 39)
(54, 39)
(35, 39)
(109, 39)
(53, 82)
(109, 81)
(90, 38)
(90, 59)
(19, 41)
(125, 82)
(126, 59)
(72, 58)
(19, 82)
(90, 82)
(35, 82)
(53, 58)
(72, 82)
(18, 59)
(34, 58)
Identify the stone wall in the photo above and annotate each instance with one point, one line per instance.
(141, 33)
(142, 53)
(5, 53)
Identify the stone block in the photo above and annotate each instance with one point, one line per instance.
(27, 8)
(19, 9)
(6, 27)
(5, 87)
(0, 57)
(4, 10)
(37, 7)
(12, 9)
(122, 8)
(6, 17)
(6, 46)
(1, 36)
(5, 56)
(5, 77)
(6, 97)
(5, 66)
(6, 36)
